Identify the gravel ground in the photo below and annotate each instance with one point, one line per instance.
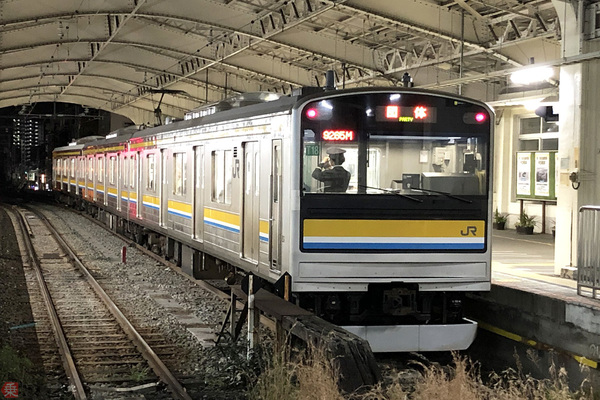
(220, 372)
(211, 373)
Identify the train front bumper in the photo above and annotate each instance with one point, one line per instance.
(404, 338)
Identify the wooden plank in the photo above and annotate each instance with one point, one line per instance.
(349, 354)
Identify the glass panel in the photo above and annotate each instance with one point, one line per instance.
(450, 164)
(529, 145)
(394, 144)
(126, 170)
(90, 169)
(100, 169)
(228, 174)
(549, 126)
(549, 144)
(133, 171)
(530, 125)
(112, 171)
(151, 172)
(276, 172)
(218, 176)
(179, 171)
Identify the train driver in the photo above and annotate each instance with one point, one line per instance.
(330, 171)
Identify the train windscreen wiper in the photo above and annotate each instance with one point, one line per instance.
(391, 191)
(452, 196)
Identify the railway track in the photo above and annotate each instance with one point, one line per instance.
(99, 348)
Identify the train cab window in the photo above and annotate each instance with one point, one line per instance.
(100, 169)
(221, 170)
(179, 173)
(365, 146)
(150, 182)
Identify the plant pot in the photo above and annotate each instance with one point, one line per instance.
(499, 225)
(525, 230)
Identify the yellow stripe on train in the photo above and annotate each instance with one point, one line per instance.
(394, 228)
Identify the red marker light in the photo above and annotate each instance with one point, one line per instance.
(480, 117)
(312, 113)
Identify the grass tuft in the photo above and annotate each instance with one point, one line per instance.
(312, 377)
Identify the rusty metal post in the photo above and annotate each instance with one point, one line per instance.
(253, 318)
(232, 319)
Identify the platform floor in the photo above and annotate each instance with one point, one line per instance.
(526, 262)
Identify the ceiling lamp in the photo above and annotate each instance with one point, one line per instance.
(531, 75)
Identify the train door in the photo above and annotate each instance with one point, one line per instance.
(198, 211)
(164, 192)
(250, 204)
(275, 221)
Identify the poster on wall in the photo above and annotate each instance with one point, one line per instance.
(542, 174)
(523, 170)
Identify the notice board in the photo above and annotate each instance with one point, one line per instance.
(536, 175)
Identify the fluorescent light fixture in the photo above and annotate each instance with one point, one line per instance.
(531, 75)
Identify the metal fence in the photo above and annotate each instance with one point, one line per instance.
(588, 251)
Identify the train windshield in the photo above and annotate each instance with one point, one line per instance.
(395, 143)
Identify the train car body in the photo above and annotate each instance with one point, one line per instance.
(387, 253)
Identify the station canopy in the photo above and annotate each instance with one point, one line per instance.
(134, 57)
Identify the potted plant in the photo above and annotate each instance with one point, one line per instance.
(499, 220)
(525, 224)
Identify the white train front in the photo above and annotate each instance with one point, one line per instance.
(383, 240)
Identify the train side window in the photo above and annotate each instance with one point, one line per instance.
(150, 183)
(90, 168)
(100, 169)
(125, 170)
(179, 172)
(228, 175)
(112, 170)
(81, 168)
(222, 175)
(72, 168)
(133, 171)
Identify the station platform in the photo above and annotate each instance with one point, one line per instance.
(534, 312)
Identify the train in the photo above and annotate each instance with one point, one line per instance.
(376, 203)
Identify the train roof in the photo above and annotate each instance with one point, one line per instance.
(241, 106)
(282, 104)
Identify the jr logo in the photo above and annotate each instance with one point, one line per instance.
(471, 230)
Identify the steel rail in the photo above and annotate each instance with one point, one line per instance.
(155, 363)
(66, 356)
(264, 319)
